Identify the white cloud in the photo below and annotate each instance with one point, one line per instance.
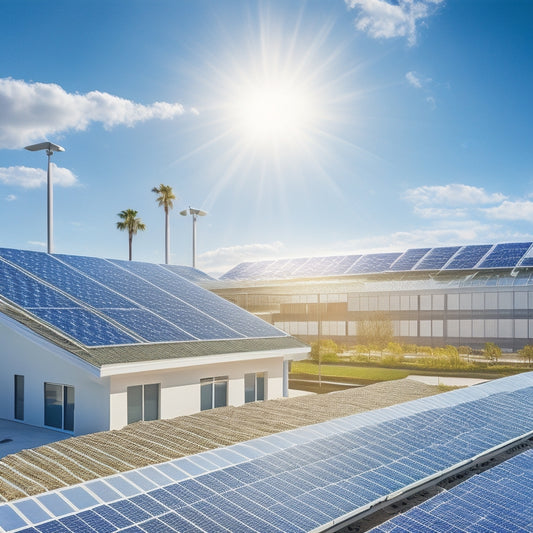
(34, 111)
(10, 198)
(454, 194)
(509, 210)
(382, 19)
(221, 260)
(31, 178)
(414, 79)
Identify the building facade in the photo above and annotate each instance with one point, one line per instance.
(490, 300)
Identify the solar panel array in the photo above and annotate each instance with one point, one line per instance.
(496, 500)
(448, 258)
(306, 479)
(100, 302)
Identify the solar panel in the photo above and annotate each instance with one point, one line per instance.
(436, 258)
(189, 273)
(498, 499)
(217, 308)
(309, 477)
(505, 255)
(409, 259)
(468, 257)
(373, 263)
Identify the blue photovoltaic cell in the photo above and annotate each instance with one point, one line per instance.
(373, 263)
(189, 273)
(505, 255)
(84, 326)
(29, 293)
(9, 519)
(216, 309)
(498, 499)
(148, 295)
(409, 259)
(49, 269)
(468, 257)
(436, 258)
(318, 474)
(148, 325)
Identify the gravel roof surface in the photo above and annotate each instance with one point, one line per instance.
(78, 459)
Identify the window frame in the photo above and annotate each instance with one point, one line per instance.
(217, 388)
(130, 391)
(64, 419)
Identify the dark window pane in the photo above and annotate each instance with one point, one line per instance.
(151, 402)
(135, 395)
(206, 396)
(221, 389)
(19, 397)
(249, 388)
(68, 416)
(53, 405)
(260, 387)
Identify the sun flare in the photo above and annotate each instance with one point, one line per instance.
(276, 111)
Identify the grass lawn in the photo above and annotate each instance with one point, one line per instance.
(353, 372)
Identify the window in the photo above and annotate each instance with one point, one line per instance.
(213, 392)
(19, 397)
(254, 387)
(59, 406)
(143, 402)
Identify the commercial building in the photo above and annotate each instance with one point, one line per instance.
(458, 295)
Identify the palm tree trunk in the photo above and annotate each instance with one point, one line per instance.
(130, 242)
(167, 237)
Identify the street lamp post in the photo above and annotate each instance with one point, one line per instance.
(50, 149)
(195, 213)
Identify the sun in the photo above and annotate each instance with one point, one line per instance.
(274, 110)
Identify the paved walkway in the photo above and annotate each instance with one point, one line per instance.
(448, 381)
(16, 436)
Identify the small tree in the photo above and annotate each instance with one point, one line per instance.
(130, 223)
(492, 352)
(526, 353)
(325, 350)
(376, 330)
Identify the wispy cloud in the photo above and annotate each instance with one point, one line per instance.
(414, 79)
(512, 210)
(454, 194)
(382, 19)
(31, 178)
(34, 111)
(222, 259)
(10, 198)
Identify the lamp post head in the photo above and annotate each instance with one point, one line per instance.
(48, 146)
(193, 211)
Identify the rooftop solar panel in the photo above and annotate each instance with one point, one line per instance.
(312, 477)
(436, 258)
(468, 257)
(214, 307)
(498, 499)
(505, 255)
(189, 273)
(373, 263)
(195, 322)
(409, 259)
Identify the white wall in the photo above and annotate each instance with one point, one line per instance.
(180, 388)
(25, 353)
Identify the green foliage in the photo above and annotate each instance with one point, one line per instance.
(325, 350)
(428, 350)
(410, 348)
(376, 330)
(464, 350)
(526, 353)
(394, 348)
(492, 352)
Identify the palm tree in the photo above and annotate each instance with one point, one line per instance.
(131, 223)
(165, 199)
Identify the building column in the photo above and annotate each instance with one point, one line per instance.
(286, 379)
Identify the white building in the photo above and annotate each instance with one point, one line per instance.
(89, 344)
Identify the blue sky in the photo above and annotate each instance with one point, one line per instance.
(304, 128)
